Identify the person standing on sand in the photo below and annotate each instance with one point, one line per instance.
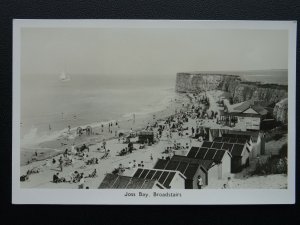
(81, 182)
(48, 163)
(73, 151)
(200, 182)
(61, 163)
(229, 183)
(104, 144)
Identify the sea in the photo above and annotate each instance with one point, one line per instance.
(279, 76)
(49, 105)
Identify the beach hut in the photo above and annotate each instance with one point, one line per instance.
(191, 168)
(240, 156)
(89, 130)
(146, 137)
(256, 143)
(213, 133)
(242, 146)
(169, 179)
(218, 160)
(115, 181)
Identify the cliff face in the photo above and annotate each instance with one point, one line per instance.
(193, 82)
(280, 111)
(244, 92)
(240, 91)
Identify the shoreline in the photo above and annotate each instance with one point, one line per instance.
(59, 142)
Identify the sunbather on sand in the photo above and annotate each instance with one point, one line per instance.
(92, 175)
(106, 155)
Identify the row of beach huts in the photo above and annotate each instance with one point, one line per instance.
(224, 152)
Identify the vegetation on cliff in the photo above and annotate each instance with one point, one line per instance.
(280, 111)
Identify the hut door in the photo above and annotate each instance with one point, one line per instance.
(235, 164)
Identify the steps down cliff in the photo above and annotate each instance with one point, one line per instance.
(239, 90)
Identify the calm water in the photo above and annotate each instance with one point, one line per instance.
(266, 76)
(47, 102)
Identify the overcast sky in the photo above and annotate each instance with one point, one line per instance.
(150, 51)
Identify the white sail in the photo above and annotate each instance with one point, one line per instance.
(64, 77)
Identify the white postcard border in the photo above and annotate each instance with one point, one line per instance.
(102, 196)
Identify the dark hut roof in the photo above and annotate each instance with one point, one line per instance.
(164, 177)
(217, 145)
(183, 164)
(212, 154)
(205, 163)
(237, 150)
(217, 150)
(201, 154)
(193, 151)
(218, 139)
(207, 144)
(114, 181)
(234, 149)
(233, 139)
(254, 134)
(227, 146)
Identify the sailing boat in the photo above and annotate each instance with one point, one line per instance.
(64, 77)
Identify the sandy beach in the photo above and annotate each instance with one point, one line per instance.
(64, 139)
(47, 151)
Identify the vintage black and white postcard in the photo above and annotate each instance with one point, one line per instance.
(153, 112)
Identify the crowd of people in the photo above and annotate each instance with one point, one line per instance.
(74, 177)
(172, 128)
